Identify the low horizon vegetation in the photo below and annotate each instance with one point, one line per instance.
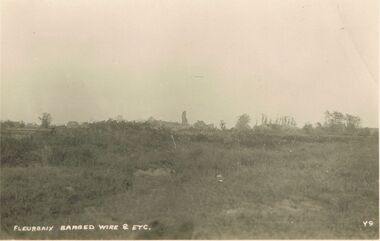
(334, 121)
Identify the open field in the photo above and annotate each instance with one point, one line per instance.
(217, 186)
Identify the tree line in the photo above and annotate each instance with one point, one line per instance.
(334, 122)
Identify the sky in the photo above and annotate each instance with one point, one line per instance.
(90, 60)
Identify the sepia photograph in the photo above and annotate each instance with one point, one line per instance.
(189, 119)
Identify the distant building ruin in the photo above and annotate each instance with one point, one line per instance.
(184, 118)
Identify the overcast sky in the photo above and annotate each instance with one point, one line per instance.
(93, 60)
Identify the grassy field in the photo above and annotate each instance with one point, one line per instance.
(209, 187)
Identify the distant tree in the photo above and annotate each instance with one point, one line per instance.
(45, 119)
(352, 122)
(339, 118)
(264, 119)
(243, 122)
(200, 125)
(12, 124)
(152, 121)
(281, 121)
(308, 128)
(293, 122)
(328, 119)
(335, 121)
(72, 124)
(223, 125)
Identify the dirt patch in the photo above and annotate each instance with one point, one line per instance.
(287, 205)
(158, 172)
